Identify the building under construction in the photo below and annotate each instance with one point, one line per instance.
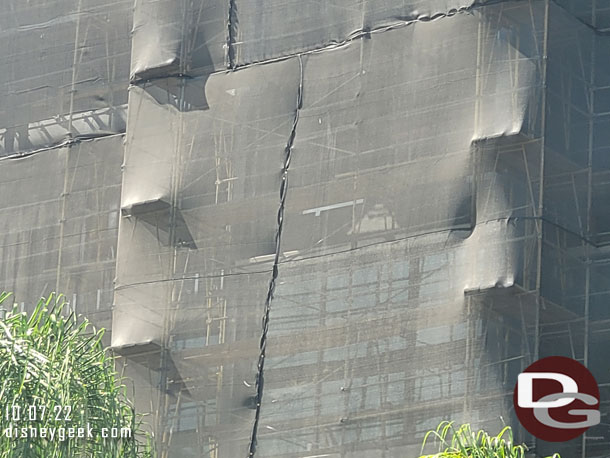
(315, 228)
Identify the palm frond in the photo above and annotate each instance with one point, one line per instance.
(51, 360)
(463, 442)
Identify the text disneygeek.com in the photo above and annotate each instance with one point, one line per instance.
(61, 433)
(27, 423)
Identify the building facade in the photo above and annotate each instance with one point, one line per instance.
(315, 229)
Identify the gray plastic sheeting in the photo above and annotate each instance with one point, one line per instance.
(412, 195)
(421, 222)
(178, 37)
(64, 71)
(59, 225)
(188, 37)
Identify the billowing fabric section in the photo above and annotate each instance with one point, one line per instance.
(64, 71)
(345, 148)
(200, 185)
(179, 37)
(59, 218)
(405, 242)
(198, 213)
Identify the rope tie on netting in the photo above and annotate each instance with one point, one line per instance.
(272, 283)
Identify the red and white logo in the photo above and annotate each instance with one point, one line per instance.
(557, 399)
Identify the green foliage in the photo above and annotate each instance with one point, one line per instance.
(465, 443)
(58, 364)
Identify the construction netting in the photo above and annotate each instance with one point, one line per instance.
(320, 228)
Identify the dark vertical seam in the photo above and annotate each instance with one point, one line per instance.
(274, 275)
(231, 32)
